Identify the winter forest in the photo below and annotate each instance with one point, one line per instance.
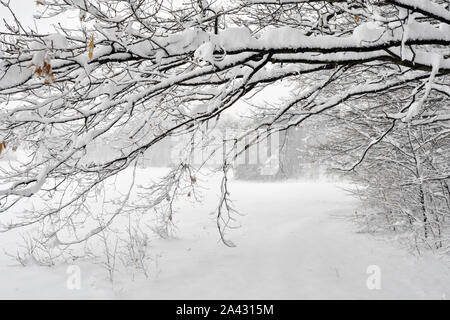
(204, 149)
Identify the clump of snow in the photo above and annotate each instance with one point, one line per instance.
(39, 54)
(13, 76)
(131, 30)
(40, 180)
(368, 31)
(444, 28)
(417, 107)
(281, 36)
(85, 139)
(200, 109)
(160, 54)
(235, 37)
(205, 52)
(186, 39)
(56, 41)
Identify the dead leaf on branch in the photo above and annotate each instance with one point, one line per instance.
(47, 68)
(2, 146)
(45, 72)
(91, 47)
(38, 71)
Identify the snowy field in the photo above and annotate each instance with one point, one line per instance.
(297, 241)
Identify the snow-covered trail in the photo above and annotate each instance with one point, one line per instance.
(295, 243)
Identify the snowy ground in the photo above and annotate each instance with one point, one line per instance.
(296, 242)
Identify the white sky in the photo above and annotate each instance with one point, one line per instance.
(25, 9)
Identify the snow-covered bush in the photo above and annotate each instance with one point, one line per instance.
(402, 170)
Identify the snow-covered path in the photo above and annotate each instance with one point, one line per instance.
(295, 243)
